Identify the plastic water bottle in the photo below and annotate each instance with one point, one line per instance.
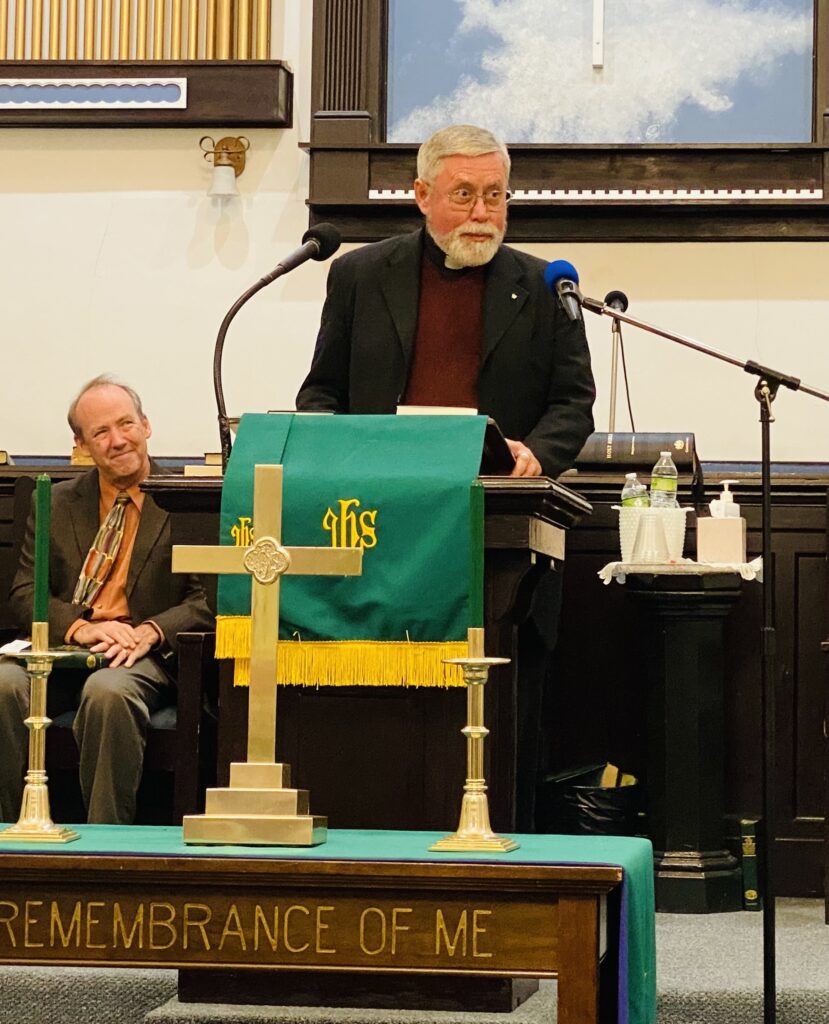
(664, 483)
(634, 493)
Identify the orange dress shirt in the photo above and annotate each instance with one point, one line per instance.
(111, 603)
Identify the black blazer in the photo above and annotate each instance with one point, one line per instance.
(534, 380)
(175, 601)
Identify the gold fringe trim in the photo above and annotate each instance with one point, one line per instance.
(344, 662)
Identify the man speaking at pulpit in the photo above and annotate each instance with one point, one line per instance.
(450, 316)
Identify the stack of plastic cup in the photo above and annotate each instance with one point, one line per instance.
(650, 546)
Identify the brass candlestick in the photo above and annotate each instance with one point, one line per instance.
(35, 823)
(474, 831)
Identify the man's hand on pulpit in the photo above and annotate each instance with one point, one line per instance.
(526, 464)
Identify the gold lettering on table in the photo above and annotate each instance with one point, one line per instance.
(196, 915)
(261, 922)
(93, 922)
(242, 533)
(56, 926)
(162, 930)
(349, 530)
(322, 926)
(457, 941)
(9, 912)
(397, 927)
(286, 922)
(233, 927)
(119, 927)
(376, 924)
(442, 934)
(479, 930)
(28, 920)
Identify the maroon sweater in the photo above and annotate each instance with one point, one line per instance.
(447, 347)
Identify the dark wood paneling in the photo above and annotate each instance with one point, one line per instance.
(236, 94)
(598, 701)
(350, 71)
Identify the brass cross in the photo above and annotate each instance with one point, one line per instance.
(266, 561)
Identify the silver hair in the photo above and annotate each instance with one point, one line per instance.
(458, 139)
(103, 380)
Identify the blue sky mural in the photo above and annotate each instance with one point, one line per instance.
(678, 71)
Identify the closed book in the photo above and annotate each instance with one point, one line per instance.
(751, 877)
(78, 657)
(639, 451)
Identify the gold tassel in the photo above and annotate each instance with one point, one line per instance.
(344, 662)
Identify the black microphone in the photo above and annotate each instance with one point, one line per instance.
(616, 300)
(561, 277)
(318, 243)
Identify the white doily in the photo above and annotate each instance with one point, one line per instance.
(752, 570)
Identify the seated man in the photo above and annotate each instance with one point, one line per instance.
(128, 607)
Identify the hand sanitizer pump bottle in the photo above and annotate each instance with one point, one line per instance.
(721, 537)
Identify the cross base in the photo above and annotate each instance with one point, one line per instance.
(257, 809)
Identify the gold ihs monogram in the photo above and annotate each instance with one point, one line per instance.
(242, 532)
(350, 528)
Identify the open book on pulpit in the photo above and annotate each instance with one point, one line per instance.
(496, 457)
(403, 489)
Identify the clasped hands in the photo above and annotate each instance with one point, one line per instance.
(119, 642)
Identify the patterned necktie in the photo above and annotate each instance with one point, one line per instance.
(101, 558)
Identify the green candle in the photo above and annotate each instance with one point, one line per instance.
(476, 543)
(43, 515)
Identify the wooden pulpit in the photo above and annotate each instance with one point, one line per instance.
(392, 757)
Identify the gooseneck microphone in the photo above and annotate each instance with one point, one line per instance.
(561, 277)
(318, 243)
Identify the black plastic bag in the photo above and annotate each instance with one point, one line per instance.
(580, 801)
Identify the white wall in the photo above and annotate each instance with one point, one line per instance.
(113, 258)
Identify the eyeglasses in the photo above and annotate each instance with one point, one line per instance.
(465, 198)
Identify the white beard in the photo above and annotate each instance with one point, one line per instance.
(463, 253)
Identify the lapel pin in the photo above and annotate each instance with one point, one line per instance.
(514, 295)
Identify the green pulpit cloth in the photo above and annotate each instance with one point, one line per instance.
(404, 490)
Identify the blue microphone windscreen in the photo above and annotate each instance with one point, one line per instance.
(559, 270)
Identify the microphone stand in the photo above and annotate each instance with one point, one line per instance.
(218, 390)
(616, 333)
(765, 391)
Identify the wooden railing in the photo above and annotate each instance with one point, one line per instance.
(125, 30)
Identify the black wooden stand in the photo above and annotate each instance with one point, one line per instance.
(694, 873)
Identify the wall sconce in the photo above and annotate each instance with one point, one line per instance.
(228, 156)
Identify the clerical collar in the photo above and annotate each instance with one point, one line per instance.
(437, 257)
